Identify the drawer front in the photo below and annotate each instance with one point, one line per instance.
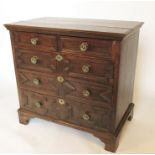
(75, 66)
(38, 82)
(67, 110)
(45, 105)
(35, 41)
(95, 118)
(86, 92)
(35, 60)
(65, 64)
(86, 46)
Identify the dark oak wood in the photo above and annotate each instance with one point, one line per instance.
(78, 73)
(96, 47)
(69, 112)
(45, 42)
(126, 74)
(45, 61)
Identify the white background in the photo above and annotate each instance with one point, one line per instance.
(45, 137)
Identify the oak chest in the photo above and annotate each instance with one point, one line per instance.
(76, 72)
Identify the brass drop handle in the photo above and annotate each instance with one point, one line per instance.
(86, 93)
(86, 117)
(60, 79)
(83, 46)
(38, 104)
(59, 58)
(34, 59)
(61, 101)
(36, 82)
(34, 41)
(86, 68)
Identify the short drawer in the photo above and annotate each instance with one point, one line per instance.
(35, 60)
(86, 46)
(35, 41)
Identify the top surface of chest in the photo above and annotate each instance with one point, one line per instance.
(113, 29)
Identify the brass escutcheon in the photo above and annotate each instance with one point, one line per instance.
(86, 68)
(61, 101)
(83, 47)
(86, 93)
(86, 117)
(34, 41)
(36, 81)
(38, 104)
(34, 59)
(59, 57)
(60, 79)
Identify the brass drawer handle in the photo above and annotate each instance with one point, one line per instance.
(59, 57)
(34, 60)
(86, 68)
(60, 79)
(38, 104)
(61, 101)
(83, 47)
(86, 117)
(34, 41)
(36, 82)
(86, 93)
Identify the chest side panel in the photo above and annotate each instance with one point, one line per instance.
(126, 75)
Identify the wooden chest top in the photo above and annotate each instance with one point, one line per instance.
(112, 29)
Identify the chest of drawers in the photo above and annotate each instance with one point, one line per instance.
(76, 72)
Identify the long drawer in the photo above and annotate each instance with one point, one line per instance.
(86, 92)
(67, 110)
(62, 63)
